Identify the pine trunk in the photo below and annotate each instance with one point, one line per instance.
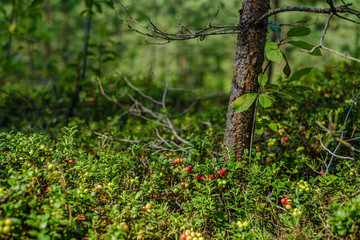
(248, 65)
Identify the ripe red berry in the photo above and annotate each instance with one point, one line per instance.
(144, 208)
(188, 169)
(48, 189)
(223, 170)
(183, 236)
(202, 178)
(198, 177)
(181, 161)
(286, 139)
(175, 162)
(183, 185)
(222, 174)
(71, 161)
(212, 177)
(258, 149)
(284, 200)
(322, 172)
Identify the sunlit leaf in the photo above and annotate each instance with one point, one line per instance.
(273, 52)
(244, 102)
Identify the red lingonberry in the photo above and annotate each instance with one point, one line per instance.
(183, 236)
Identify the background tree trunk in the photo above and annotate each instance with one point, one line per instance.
(274, 37)
(248, 65)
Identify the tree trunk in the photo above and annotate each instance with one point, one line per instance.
(248, 65)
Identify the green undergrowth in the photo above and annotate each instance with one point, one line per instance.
(67, 183)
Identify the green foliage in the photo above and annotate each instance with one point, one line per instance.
(67, 183)
(97, 187)
(298, 31)
(346, 217)
(273, 52)
(244, 102)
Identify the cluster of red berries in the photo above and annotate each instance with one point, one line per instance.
(191, 235)
(148, 207)
(189, 169)
(184, 185)
(286, 202)
(200, 178)
(222, 172)
(178, 161)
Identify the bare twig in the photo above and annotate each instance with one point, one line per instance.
(113, 138)
(109, 98)
(326, 48)
(333, 154)
(140, 92)
(156, 33)
(341, 9)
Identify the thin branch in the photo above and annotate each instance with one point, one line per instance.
(109, 98)
(159, 34)
(352, 139)
(340, 54)
(341, 9)
(118, 139)
(326, 48)
(140, 92)
(333, 154)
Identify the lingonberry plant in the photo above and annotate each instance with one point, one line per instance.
(114, 191)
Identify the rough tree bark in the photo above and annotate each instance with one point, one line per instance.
(248, 65)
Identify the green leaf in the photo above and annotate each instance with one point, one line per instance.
(274, 27)
(306, 46)
(273, 52)
(287, 69)
(262, 78)
(273, 126)
(298, 31)
(138, 194)
(259, 128)
(264, 100)
(298, 74)
(244, 102)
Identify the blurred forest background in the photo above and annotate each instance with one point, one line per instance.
(43, 81)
